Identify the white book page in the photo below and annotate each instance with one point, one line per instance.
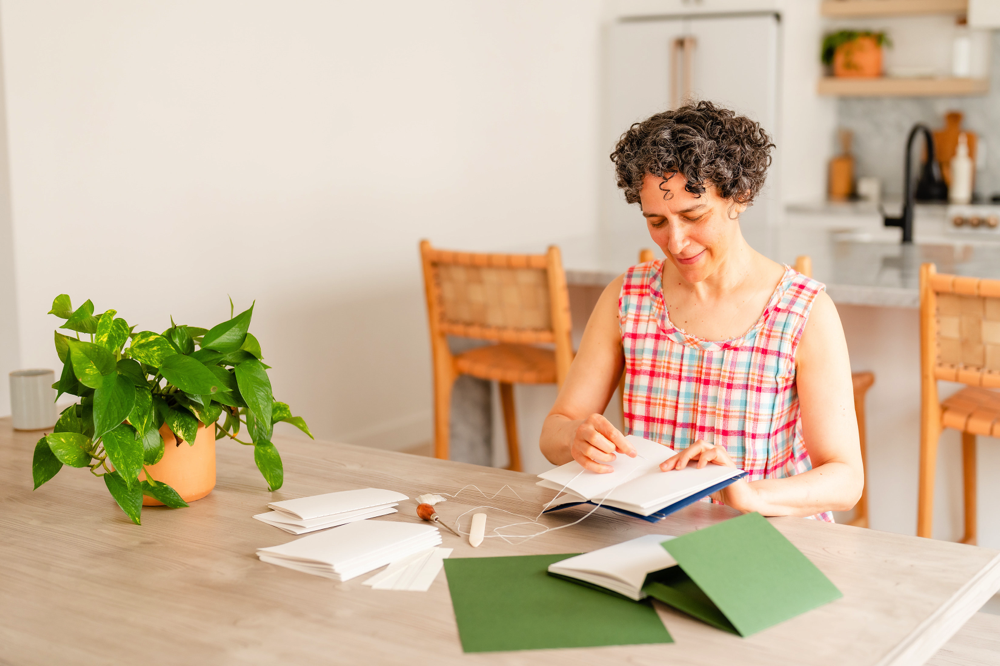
(294, 526)
(591, 485)
(627, 562)
(318, 506)
(661, 488)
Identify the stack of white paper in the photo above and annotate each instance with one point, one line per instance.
(353, 549)
(308, 514)
(413, 574)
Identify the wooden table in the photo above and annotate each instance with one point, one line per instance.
(80, 584)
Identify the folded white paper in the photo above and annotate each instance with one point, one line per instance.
(413, 574)
(292, 525)
(353, 549)
(318, 506)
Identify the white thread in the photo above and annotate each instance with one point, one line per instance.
(529, 520)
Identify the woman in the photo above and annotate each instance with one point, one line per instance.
(730, 358)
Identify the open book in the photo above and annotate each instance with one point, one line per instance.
(637, 487)
(621, 568)
(741, 575)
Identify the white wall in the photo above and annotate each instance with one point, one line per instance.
(164, 155)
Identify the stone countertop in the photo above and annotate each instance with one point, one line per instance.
(858, 267)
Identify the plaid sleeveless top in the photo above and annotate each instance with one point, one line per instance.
(739, 393)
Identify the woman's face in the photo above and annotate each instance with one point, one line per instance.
(694, 231)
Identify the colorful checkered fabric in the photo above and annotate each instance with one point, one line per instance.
(739, 393)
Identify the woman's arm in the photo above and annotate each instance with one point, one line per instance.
(829, 429)
(575, 428)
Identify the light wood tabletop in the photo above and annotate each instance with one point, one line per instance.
(80, 584)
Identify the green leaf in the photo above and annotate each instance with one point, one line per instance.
(68, 383)
(129, 499)
(61, 307)
(258, 431)
(251, 346)
(189, 375)
(237, 357)
(300, 423)
(255, 387)
(70, 448)
(113, 403)
(62, 346)
(133, 371)
(207, 356)
(142, 417)
(180, 338)
(125, 452)
(149, 348)
(111, 333)
(269, 463)
(196, 333)
(229, 335)
(164, 493)
(208, 412)
(91, 363)
(44, 464)
(82, 320)
(183, 424)
(281, 412)
(70, 421)
(152, 447)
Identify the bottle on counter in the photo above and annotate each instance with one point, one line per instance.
(960, 189)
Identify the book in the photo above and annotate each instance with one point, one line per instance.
(621, 568)
(353, 549)
(318, 512)
(741, 575)
(637, 487)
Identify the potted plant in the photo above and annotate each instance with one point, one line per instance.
(143, 393)
(854, 53)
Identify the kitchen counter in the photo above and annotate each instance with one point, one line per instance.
(863, 264)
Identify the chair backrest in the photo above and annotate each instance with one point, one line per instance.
(513, 298)
(804, 265)
(959, 328)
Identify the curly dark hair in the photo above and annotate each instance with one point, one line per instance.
(705, 142)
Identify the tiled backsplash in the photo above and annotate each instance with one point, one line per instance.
(881, 125)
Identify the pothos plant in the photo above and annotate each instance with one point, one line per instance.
(841, 37)
(131, 383)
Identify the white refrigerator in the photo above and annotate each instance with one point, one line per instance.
(654, 63)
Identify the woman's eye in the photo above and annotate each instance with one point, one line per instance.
(695, 219)
(656, 224)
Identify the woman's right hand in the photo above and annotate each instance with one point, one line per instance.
(596, 441)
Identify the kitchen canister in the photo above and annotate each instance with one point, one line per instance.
(32, 399)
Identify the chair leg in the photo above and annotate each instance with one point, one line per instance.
(442, 413)
(510, 425)
(861, 510)
(969, 479)
(929, 435)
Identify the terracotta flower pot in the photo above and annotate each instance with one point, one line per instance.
(859, 58)
(190, 470)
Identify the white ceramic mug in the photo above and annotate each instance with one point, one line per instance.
(32, 399)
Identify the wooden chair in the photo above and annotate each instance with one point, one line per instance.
(959, 342)
(513, 300)
(862, 382)
(645, 255)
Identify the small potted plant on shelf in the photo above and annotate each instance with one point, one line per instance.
(854, 53)
(150, 406)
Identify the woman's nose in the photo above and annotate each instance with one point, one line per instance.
(676, 240)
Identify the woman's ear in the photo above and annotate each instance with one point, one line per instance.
(736, 209)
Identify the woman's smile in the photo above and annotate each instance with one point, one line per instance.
(687, 261)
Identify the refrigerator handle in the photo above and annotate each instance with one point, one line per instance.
(682, 70)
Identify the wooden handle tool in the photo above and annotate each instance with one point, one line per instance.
(426, 512)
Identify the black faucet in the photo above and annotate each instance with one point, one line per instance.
(931, 186)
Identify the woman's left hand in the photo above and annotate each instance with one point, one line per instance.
(739, 495)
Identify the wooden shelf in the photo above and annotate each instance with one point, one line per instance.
(859, 8)
(890, 87)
